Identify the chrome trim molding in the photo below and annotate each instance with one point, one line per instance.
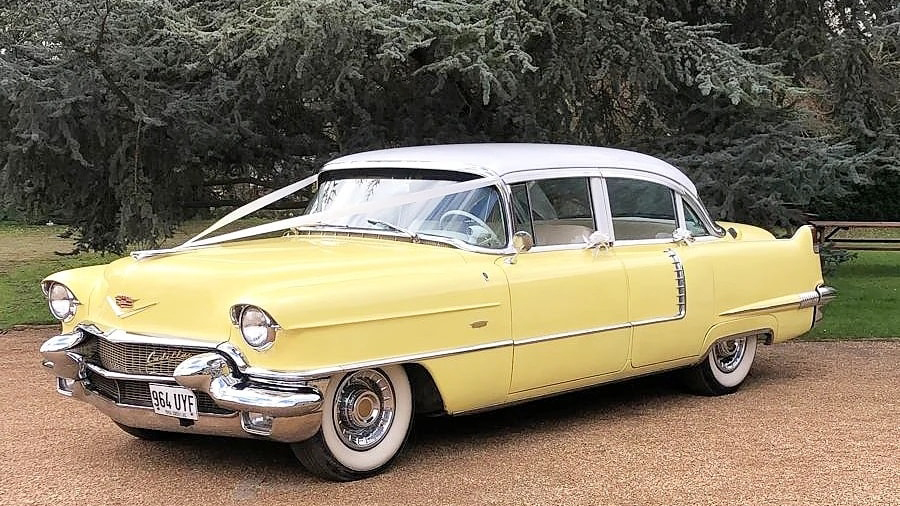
(324, 372)
(128, 377)
(574, 333)
(817, 298)
(680, 282)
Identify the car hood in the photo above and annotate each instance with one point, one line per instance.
(189, 294)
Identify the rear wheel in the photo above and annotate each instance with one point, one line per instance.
(148, 434)
(366, 418)
(724, 368)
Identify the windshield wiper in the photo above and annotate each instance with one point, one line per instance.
(412, 235)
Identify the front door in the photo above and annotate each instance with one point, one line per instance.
(569, 304)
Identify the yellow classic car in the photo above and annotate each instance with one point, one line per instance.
(428, 280)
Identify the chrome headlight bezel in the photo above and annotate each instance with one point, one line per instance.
(60, 300)
(257, 327)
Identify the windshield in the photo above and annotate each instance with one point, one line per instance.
(474, 217)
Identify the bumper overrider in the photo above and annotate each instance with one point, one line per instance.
(252, 402)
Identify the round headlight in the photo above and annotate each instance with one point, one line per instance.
(257, 327)
(62, 302)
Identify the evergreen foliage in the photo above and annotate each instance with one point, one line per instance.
(123, 117)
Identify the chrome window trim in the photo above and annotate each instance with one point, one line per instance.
(714, 229)
(679, 193)
(523, 176)
(409, 164)
(710, 231)
(679, 210)
(652, 177)
(635, 242)
(603, 220)
(596, 193)
(556, 247)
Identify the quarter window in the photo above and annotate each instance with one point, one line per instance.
(692, 221)
(641, 209)
(554, 211)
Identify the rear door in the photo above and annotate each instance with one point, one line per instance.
(670, 283)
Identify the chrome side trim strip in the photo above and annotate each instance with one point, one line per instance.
(310, 374)
(574, 333)
(821, 296)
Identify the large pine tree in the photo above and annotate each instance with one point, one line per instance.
(123, 116)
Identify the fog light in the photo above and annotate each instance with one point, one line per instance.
(256, 423)
(64, 385)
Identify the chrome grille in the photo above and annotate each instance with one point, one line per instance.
(137, 393)
(142, 358)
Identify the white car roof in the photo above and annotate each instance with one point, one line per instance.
(500, 159)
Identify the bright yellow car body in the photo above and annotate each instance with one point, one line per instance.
(488, 328)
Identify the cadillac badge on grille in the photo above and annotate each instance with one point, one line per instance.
(160, 357)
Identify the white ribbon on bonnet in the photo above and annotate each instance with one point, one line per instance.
(200, 240)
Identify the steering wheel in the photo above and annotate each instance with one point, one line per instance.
(492, 239)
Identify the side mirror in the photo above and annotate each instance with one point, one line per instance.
(682, 236)
(597, 239)
(522, 241)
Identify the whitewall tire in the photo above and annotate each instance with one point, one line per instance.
(366, 418)
(724, 368)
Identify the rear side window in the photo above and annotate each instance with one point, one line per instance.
(641, 209)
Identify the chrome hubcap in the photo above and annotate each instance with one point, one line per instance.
(728, 354)
(363, 409)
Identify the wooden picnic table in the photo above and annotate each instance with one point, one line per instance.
(826, 231)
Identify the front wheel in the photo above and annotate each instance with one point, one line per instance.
(724, 368)
(366, 418)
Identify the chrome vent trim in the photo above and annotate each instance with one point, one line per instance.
(680, 284)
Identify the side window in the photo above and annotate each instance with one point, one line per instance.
(641, 209)
(560, 210)
(692, 221)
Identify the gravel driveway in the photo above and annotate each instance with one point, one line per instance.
(816, 423)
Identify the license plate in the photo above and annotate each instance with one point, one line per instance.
(174, 401)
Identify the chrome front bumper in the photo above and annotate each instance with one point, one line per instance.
(291, 409)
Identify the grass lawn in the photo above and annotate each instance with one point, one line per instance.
(868, 302)
(27, 256)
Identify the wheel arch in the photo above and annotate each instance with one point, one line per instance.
(763, 326)
(427, 398)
